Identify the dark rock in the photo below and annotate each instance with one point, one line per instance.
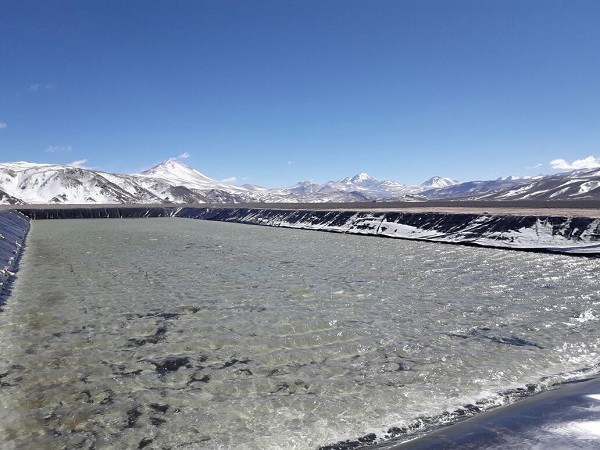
(132, 416)
(204, 379)
(168, 316)
(513, 340)
(157, 421)
(85, 396)
(129, 374)
(481, 333)
(281, 387)
(233, 362)
(159, 408)
(172, 364)
(107, 401)
(145, 442)
(158, 336)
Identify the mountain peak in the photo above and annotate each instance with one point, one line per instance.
(359, 178)
(167, 163)
(439, 182)
(175, 171)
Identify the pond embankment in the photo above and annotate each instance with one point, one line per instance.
(560, 230)
(541, 233)
(14, 227)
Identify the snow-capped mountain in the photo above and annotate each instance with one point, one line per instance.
(49, 183)
(180, 177)
(473, 190)
(24, 182)
(360, 187)
(174, 182)
(174, 172)
(438, 183)
(366, 184)
(360, 179)
(579, 184)
(6, 199)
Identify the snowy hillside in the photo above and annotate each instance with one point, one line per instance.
(580, 184)
(360, 187)
(24, 182)
(173, 182)
(169, 182)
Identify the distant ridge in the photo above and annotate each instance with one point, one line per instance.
(172, 182)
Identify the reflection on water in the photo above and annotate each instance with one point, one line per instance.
(169, 333)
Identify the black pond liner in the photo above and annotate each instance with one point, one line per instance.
(465, 226)
(14, 228)
(476, 425)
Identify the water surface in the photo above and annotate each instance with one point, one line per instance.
(174, 333)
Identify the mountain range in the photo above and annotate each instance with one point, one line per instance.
(174, 182)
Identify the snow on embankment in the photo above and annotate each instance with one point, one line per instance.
(14, 227)
(568, 235)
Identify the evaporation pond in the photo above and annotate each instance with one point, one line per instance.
(175, 333)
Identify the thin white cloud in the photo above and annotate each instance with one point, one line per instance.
(3, 125)
(59, 148)
(535, 166)
(35, 87)
(184, 155)
(591, 162)
(229, 180)
(79, 163)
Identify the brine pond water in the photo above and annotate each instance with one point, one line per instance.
(176, 333)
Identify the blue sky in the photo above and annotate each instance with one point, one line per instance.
(273, 92)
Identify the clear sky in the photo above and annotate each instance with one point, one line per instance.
(274, 92)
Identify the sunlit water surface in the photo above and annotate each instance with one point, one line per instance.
(172, 333)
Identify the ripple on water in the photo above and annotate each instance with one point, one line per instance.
(142, 333)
